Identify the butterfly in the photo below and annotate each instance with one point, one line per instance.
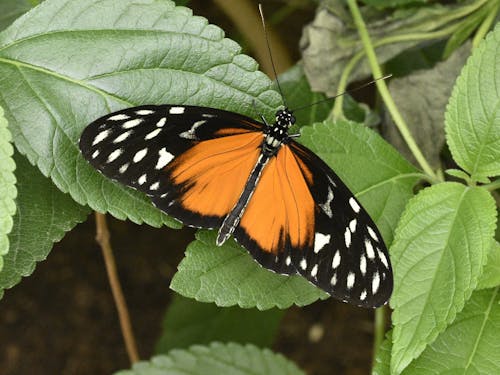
(211, 168)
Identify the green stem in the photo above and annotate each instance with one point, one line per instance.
(492, 185)
(486, 24)
(379, 330)
(384, 91)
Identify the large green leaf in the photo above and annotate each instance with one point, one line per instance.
(381, 179)
(382, 362)
(491, 273)
(8, 190)
(43, 216)
(220, 359)
(440, 247)
(473, 113)
(66, 63)
(228, 276)
(11, 9)
(469, 345)
(188, 322)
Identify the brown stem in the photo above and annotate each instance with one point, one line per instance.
(102, 238)
(244, 14)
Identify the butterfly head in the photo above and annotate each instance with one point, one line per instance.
(285, 118)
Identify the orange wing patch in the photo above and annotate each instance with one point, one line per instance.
(213, 173)
(281, 206)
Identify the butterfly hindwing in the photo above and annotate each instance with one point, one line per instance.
(140, 148)
(349, 258)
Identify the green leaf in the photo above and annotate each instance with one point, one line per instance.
(469, 345)
(298, 93)
(66, 63)
(381, 179)
(458, 173)
(12, 9)
(439, 249)
(43, 216)
(230, 359)
(228, 276)
(491, 273)
(422, 108)
(473, 113)
(188, 322)
(8, 189)
(382, 363)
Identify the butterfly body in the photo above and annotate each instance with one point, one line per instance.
(211, 168)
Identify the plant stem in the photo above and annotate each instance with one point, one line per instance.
(384, 91)
(102, 239)
(494, 185)
(379, 330)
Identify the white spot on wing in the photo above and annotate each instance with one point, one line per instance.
(123, 168)
(152, 134)
(369, 249)
(383, 258)
(372, 233)
(144, 112)
(164, 158)
(176, 110)
(101, 136)
(326, 207)
(122, 137)
(314, 271)
(190, 134)
(208, 115)
(354, 204)
(142, 179)
(118, 117)
(320, 241)
(362, 295)
(352, 225)
(362, 265)
(131, 123)
(161, 122)
(288, 260)
(114, 155)
(350, 280)
(303, 264)
(154, 186)
(347, 237)
(336, 260)
(333, 280)
(139, 155)
(375, 282)
(95, 154)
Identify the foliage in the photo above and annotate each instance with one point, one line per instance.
(66, 62)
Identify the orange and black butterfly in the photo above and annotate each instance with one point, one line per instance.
(211, 168)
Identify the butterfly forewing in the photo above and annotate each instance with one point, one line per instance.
(139, 147)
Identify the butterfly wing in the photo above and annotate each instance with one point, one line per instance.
(192, 161)
(302, 218)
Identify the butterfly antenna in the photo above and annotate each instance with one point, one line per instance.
(343, 93)
(270, 54)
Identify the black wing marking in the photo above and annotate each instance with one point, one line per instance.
(133, 146)
(349, 258)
